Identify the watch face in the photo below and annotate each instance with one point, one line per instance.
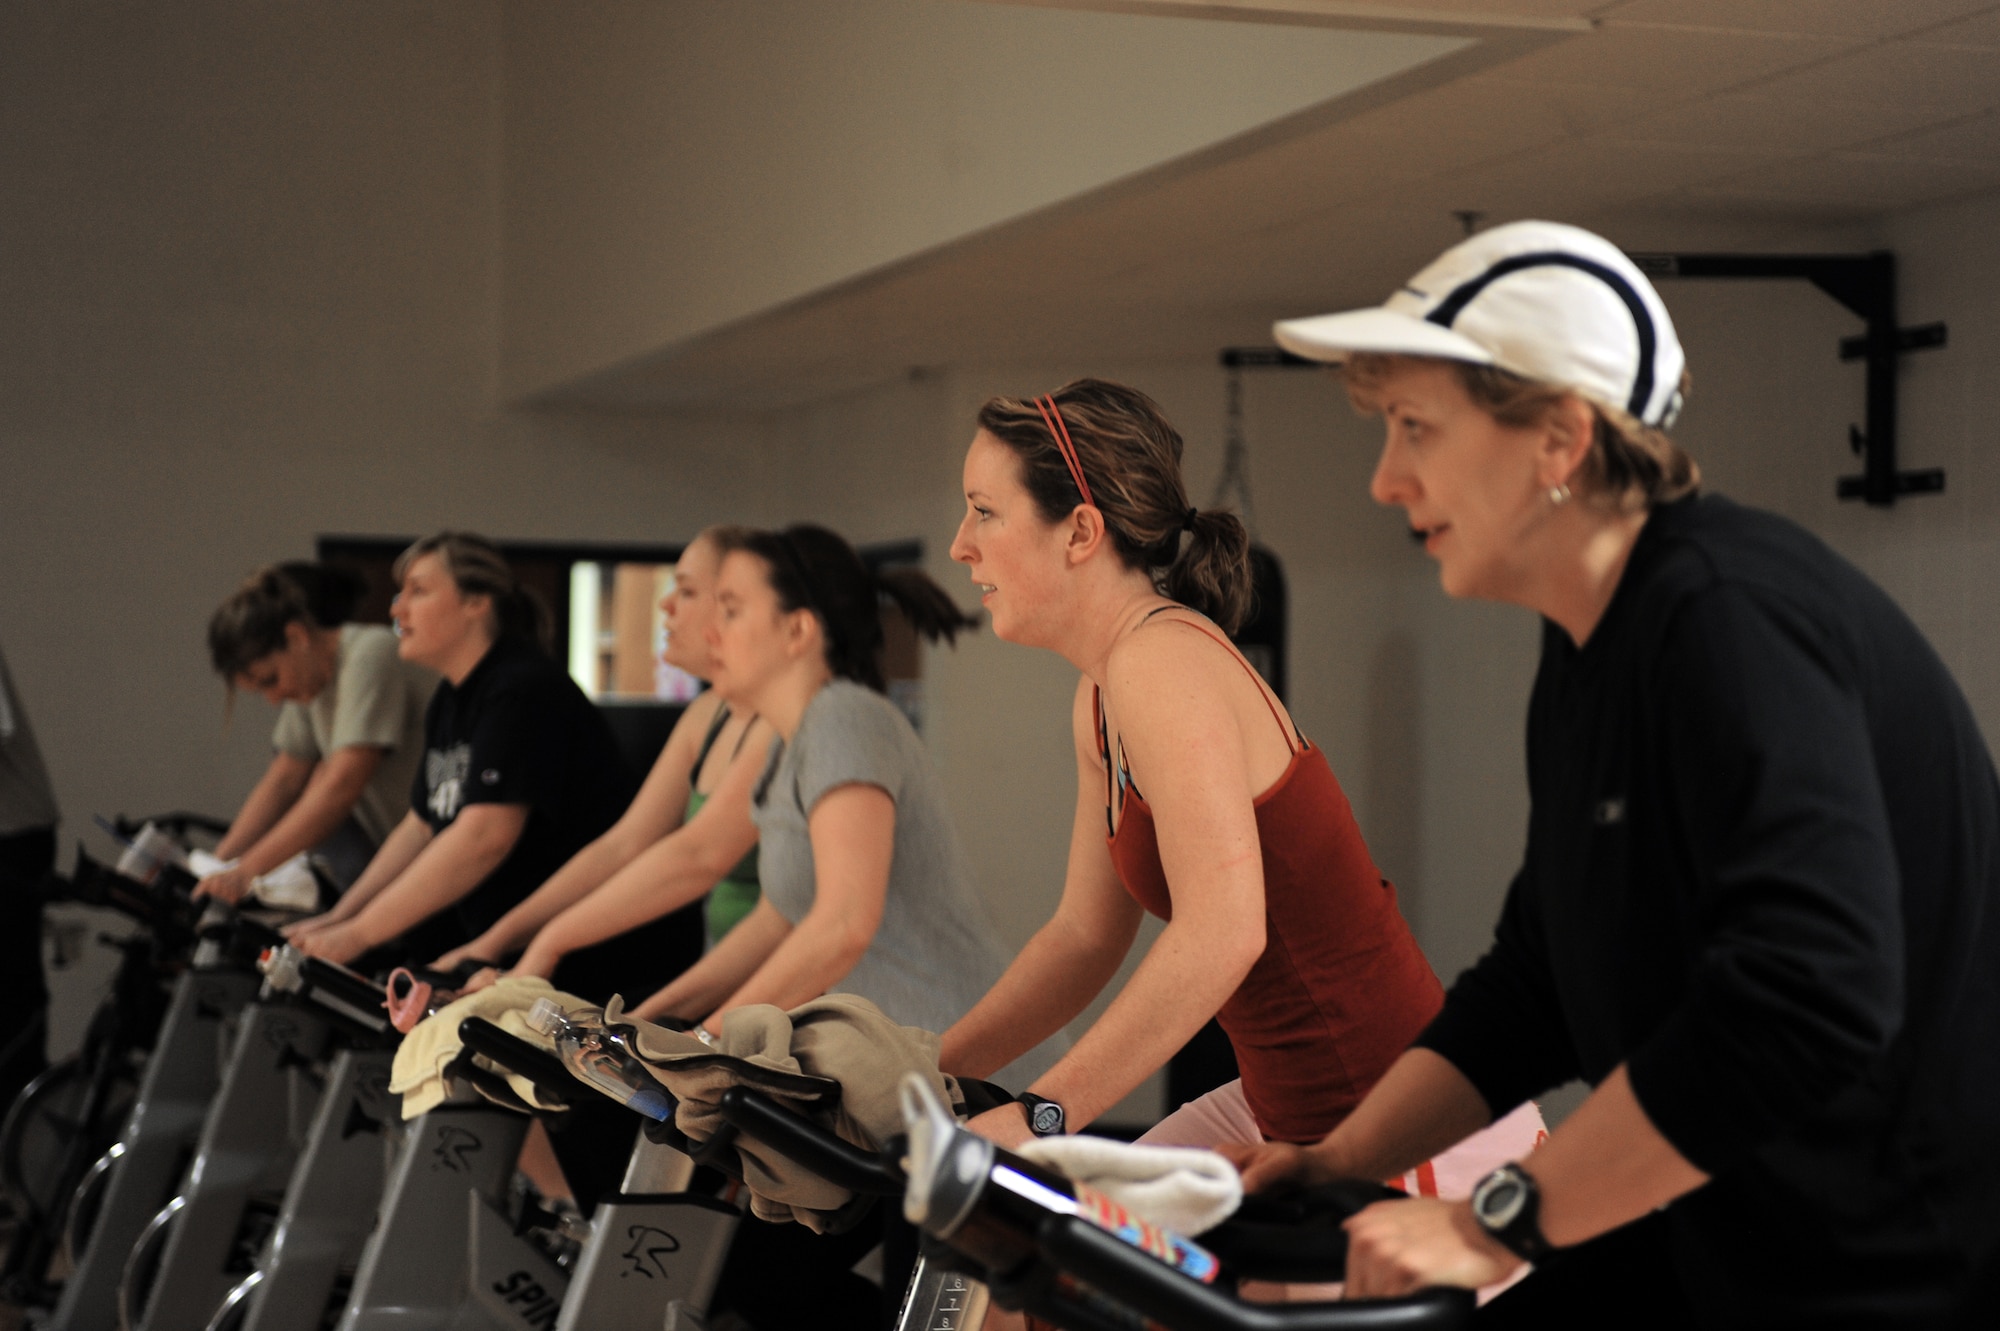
(1500, 1201)
(1045, 1120)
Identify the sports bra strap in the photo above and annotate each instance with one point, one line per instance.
(1104, 756)
(1117, 778)
(708, 741)
(722, 715)
(1256, 681)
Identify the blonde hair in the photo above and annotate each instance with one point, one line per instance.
(722, 537)
(1632, 465)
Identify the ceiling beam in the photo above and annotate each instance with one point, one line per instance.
(1328, 14)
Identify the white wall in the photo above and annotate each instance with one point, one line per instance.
(251, 294)
(677, 167)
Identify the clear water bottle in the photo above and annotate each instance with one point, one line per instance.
(580, 1041)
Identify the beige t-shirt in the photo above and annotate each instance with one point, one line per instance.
(376, 698)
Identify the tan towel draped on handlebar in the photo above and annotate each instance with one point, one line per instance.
(797, 1058)
(837, 1060)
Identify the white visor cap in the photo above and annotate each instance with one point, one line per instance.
(1546, 301)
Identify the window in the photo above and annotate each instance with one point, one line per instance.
(618, 633)
(605, 602)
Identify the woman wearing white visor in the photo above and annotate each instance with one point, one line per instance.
(1758, 909)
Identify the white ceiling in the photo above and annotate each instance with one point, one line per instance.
(1660, 122)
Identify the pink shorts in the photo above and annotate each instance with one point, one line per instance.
(1223, 1115)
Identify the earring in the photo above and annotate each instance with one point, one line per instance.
(1558, 496)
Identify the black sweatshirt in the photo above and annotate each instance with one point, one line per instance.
(1761, 871)
(519, 731)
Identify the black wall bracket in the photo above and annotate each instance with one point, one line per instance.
(1266, 358)
(1866, 285)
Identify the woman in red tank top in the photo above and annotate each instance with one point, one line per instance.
(1277, 920)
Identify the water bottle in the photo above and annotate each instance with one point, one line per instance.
(149, 853)
(579, 1040)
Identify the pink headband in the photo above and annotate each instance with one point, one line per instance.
(1052, 417)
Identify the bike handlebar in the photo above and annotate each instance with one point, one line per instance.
(488, 1083)
(1035, 1237)
(169, 914)
(832, 1158)
(349, 987)
(352, 998)
(1150, 1287)
(1295, 1237)
(552, 1080)
(253, 936)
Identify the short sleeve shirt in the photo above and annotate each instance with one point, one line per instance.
(518, 730)
(376, 699)
(934, 954)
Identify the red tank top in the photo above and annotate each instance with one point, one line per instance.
(1342, 988)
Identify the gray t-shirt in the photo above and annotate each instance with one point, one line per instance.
(26, 800)
(935, 953)
(376, 698)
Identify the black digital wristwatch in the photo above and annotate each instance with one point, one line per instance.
(1045, 1117)
(1508, 1205)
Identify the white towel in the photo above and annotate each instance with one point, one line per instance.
(290, 886)
(1179, 1189)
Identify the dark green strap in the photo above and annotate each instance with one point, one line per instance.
(708, 742)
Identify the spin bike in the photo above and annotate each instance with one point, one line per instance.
(447, 1253)
(300, 1277)
(56, 1134)
(119, 1196)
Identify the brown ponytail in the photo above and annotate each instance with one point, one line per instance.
(811, 568)
(1213, 571)
(250, 625)
(1131, 460)
(476, 566)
